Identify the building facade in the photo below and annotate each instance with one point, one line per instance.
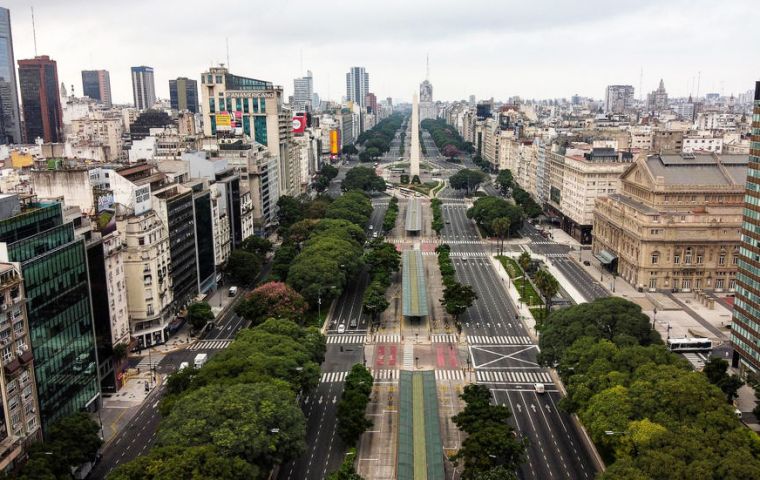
(143, 87)
(183, 94)
(357, 85)
(10, 116)
(96, 84)
(43, 118)
(618, 98)
(303, 92)
(56, 281)
(675, 223)
(745, 327)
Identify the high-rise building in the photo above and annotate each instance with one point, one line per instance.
(40, 96)
(370, 100)
(232, 102)
(618, 98)
(303, 92)
(54, 268)
(96, 84)
(357, 85)
(10, 118)
(658, 99)
(143, 87)
(745, 328)
(183, 94)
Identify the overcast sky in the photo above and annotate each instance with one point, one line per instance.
(497, 48)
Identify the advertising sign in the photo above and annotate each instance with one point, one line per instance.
(334, 142)
(223, 121)
(299, 123)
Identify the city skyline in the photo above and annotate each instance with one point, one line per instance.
(510, 51)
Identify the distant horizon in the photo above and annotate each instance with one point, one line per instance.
(546, 50)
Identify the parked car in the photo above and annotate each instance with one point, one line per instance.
(232, 291)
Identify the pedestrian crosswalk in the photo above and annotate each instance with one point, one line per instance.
(450, 375)
(210, 345)
(697, 361)
(498, 340)
(346, 339)
(494, 376)
(554, 255)
(385, 338)
(377, 375)
(145, 363)
(444, 338)
(408, 356)
(468, 255)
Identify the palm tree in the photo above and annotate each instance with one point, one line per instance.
(547, 285)
(524, 261)
(500, 227)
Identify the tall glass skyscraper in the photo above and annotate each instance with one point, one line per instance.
(143, 87)
(43, 116)
(96, 84)
(183, 94)
(357, 85)
(54, 266)
(10, 119)
(745, 331)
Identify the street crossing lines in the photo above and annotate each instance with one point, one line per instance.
(450, 375)
(210, 345)
(346, 339)
(386, 338)
(498, 340)
(468, 254)
(331, 377)
(444, 338)
(145, 363)
(377, 375)
(408, 356)
(487, 376)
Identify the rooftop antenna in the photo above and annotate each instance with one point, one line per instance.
(699, 79)
(427, 67)
(34, 33)
(641, 84)
(301, 53)
(227, 41)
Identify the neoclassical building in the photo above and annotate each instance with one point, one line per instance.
(675, 223)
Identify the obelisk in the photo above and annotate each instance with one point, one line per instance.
(414, 164)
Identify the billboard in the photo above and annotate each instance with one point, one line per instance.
(299, 123)
(223, 121)
(334, 142)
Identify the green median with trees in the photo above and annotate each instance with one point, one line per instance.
(444, 135)
(486, 210)
(467, 179)
(648, 413)
(352, 407)
(364, 179)
(437, 223)
(389, 221)
(377, 140)
(383, 260)
(457, 297)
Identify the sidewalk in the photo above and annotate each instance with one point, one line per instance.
(118, 409)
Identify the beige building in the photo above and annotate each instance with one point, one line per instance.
(675, 223)
(20, 420)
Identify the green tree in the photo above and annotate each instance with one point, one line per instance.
(457, 298)
(289, 211)
(612, 318)
(243, 267)
(283, 257)
(346, 470)
(363, 178)
(364, 156)
(199, 314)
(491, 442)
(716, 371)
(500, 227)
(505, 181)
(257, 245)
(547, 285)
(260, 423)
(467, 179)
(349, 150)
(373, 152)
(524, 260)
(351, 411)
(191, 463)
(487, 209)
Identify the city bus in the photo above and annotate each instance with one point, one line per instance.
(689, 344)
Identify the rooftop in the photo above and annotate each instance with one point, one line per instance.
(699, 169)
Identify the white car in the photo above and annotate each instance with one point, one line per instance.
(540, 388)
(341, 328)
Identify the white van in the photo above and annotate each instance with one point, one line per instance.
(540, 388)
(183, 366)
(232, 291)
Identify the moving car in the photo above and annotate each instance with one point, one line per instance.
(341, 328)
(232, 291)
(540, 388)
(352, 323)
(200, 360)
(183, 366)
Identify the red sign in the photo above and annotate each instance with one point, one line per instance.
(299, 124)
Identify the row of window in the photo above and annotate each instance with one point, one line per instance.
(696, 259)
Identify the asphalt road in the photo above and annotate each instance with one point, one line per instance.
(504, 358)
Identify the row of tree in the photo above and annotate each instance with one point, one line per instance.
(245, 263)
(649, 414)
(457, 297)
(324, 177)
(364, 179)
(351, 410)
(437, 223)
(237, 416)
(486, 210)
(445, 135)
(383, 260)
(389, 220)
(506, 183)
(377, 140)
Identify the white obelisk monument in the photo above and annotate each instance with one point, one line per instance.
(414, 167)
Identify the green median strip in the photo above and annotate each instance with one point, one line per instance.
(418, 417)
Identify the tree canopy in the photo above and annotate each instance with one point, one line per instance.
(191, 463)
(467, 179)
(272, 300)
(352, 420)
(243, 267)
(353, 206)
(487, 209)
(363, 178)
(199, 314)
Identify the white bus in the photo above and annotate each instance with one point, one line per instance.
(689, 344)
(406, 192)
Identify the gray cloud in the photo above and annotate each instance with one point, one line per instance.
(490, 48)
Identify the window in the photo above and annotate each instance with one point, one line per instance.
(653, 283)
(719, 283)
(735, 259)
(732, 284)
(687, 257)
(722, 259)
(218, 79)
(655, 258)
(699, 258)
(677, 259)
